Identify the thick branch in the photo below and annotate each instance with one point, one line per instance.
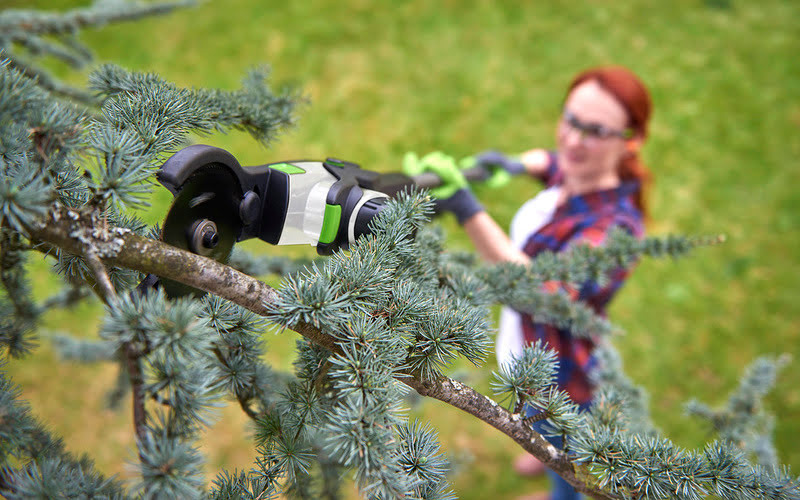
(150, 256)
(467, 399)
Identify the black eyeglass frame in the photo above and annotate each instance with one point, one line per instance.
(595, 130)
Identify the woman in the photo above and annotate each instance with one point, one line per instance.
(595, 182)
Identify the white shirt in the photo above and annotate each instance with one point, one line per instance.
(532, 216)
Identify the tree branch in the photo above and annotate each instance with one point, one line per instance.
(134, 367)
(125, 249)
(103, 285)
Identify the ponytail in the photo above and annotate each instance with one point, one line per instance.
(631, 168)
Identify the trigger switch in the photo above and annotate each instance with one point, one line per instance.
(249, 208)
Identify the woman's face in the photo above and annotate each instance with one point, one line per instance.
(591, 135)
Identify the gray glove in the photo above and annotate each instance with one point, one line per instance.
(496, 159)
(462, 204)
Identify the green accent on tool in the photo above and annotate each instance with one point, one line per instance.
(288, 168)
(330, 223)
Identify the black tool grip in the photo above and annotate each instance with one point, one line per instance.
(430, 180)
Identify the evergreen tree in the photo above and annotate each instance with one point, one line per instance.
(388, 317)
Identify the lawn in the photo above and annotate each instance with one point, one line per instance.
(462, 77)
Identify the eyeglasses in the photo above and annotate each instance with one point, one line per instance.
(594, 130)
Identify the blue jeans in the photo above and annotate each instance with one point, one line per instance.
(561, 490)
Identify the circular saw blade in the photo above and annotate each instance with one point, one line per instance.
(208, 199)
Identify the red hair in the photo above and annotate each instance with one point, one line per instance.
(634, 97)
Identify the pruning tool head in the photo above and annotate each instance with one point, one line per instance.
(204, 216)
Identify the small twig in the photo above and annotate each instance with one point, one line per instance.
(535, 418)
(321, 376)
(66, 297)
(239, 397)
(132, 358)
(104, 288)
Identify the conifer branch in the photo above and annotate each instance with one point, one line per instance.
(245, 406)
(53, 34)
(469, 400)
(20, 22)
(39, 457)
(68, 230)
(744, 420)
(10, 275)
(47, 82)
(18, 318)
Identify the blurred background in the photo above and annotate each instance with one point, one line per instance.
(465, 76)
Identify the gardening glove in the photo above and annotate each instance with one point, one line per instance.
(453, 195)
(502, 167)
(462, 204)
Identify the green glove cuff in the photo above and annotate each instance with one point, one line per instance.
(411, 165)
(443, 166)
(498, 177)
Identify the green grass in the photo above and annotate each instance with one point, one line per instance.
(466, 76)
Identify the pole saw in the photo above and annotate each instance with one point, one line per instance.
(327, 204)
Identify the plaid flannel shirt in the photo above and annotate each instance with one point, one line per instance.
(586, 218)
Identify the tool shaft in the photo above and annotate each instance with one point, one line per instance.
(431, 180)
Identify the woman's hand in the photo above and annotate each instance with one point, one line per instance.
(453, 195)
(536, 161)
(495, 159)
(462, 204)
